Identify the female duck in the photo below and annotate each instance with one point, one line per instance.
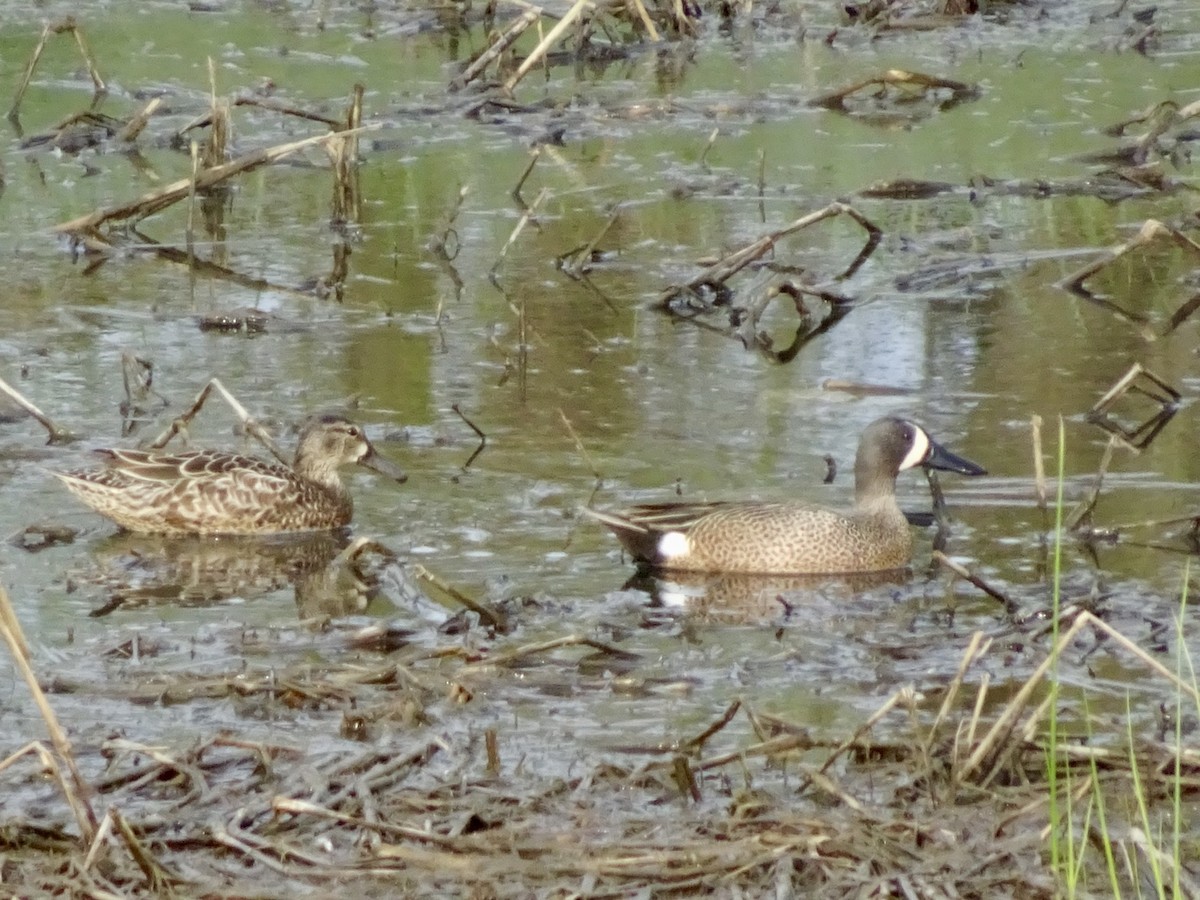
(793, 538)
(212, 492)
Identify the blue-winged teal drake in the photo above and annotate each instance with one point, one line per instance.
(793, 538)
(212, 492)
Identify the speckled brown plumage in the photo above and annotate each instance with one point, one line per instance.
(793, 537)
(212, 492)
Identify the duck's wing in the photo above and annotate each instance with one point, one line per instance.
(190, 466)
(640, 528)
(657, 518)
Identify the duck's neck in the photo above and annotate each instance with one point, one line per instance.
(874, 490)
(312, 467)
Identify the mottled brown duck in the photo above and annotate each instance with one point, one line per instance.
(214, 492)
(791, 537)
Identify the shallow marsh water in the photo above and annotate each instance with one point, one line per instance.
(661, 406)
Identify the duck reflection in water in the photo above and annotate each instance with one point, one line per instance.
(732, 598)
(333, 576)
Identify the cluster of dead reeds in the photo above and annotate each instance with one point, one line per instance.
(931, 796)
(920, 801)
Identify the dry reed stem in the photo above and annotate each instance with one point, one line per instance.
(581, 258)
(189, 232)
(1151, 230)
(1010, 606)
(534, 156)
(498, 46)
(441, 242)
(160, 199)
(977, 648)
(776, 746)
(1015, 707)
(1005, 726)
(492, 618)
(546, 43)
(158, 877)
(180, 423)
(697, 743)
(730, 265)
(876, 717)
(58, 435)
(516, 232)
(75, 790)
(138, 122)
(1039, 464)
(293, 806)
(836, 100)
(570, 640)
(708, 145)
(67, 24)
(579, 446)
(99, 841)
(1084, 509)
(647, 23)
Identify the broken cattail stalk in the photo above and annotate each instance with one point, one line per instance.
(135, 125)
(155, 201)
(516, 232)
(546, 43)
(67, 24)
(1010, 605)
(501, 43)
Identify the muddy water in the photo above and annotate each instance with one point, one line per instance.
(662, 407)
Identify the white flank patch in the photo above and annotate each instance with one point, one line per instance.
(918, 451)
(673, 544)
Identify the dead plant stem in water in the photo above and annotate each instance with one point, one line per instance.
(75, 790)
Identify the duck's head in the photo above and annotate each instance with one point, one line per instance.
(328, 442)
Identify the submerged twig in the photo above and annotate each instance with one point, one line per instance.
(579, 446)
(721, 271)
(493, 618)
(1087, 506)
(516, 232)
(58, 434)
(475, 428)
(959, 91)
(1010, 606)
(1151, 230)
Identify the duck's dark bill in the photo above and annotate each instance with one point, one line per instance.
(383, 466)
(941, 458)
